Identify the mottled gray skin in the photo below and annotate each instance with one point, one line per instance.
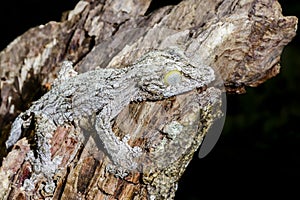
(104, 93)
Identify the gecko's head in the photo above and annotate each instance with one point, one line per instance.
(172, 74)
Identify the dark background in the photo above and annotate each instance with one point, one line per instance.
(258, 152)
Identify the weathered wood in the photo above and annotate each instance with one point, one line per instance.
(242, 40)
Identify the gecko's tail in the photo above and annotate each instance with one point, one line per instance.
(15, 133)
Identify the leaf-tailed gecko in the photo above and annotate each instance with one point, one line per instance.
(104, 93)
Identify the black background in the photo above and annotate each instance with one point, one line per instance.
(258, 151)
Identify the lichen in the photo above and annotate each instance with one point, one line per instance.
(173, 129)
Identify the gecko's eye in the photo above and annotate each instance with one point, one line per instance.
(173, 77)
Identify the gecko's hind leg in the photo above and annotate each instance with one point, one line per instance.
(44, 164)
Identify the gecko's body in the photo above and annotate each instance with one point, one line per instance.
(104, 93)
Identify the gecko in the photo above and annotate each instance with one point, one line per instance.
(103, 93)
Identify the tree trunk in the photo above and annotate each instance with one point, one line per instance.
(241, 39)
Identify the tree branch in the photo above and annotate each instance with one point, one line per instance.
(241, 40)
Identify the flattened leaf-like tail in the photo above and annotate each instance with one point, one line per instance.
(15, 133)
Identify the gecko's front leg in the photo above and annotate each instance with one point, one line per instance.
(123, 156)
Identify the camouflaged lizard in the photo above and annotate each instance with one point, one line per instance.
(103, 93)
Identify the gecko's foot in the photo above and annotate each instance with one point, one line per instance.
(117, 171)
(124, 155)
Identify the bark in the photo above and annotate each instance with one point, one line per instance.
(241, 39)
